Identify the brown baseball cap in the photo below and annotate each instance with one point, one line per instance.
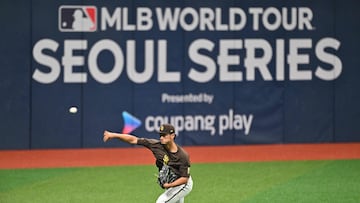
(166, 129)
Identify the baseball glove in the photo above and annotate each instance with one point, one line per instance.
(166, 176)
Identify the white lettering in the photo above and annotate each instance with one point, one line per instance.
(265, 19)
(256, 16)
(292, 24)
(233, 121)
(168, 19)
(94, 69)
(195, 19)
(144, 21)
(294, 59)
(305, 17)
(280, 59)
(331, 59)
(224, 60)
(272, 19)
(205, 61)
(107, 20)
(205, 66)
(50, 62)
(207, 15)
(126, 24)
(219, 25)
(252, 62)
(163, 74)
(69, 61)
(233, 12)
(131, 59)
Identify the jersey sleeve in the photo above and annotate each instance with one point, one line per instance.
(184, 171)
(155, 147)
(146, 142)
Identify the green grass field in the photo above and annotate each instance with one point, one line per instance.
(291, 181)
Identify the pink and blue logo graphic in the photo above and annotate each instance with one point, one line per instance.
(130, 122)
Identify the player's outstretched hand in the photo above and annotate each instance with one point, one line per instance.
(106, 136)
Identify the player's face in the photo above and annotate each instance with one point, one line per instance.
(165, 139)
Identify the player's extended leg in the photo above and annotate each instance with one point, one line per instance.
(176, 194)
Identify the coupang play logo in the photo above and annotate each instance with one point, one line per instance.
(130, 122)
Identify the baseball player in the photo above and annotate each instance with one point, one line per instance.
(171, 159)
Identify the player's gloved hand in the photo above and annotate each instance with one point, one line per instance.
(166, 176)
(161, 183)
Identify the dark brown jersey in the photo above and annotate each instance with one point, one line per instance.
(178, 161)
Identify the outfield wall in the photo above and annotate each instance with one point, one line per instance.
(223, 72)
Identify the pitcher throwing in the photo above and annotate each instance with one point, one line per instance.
(171, 159)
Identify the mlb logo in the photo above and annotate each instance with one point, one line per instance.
(77, 18)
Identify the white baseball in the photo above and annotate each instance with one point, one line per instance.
(73, 109)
